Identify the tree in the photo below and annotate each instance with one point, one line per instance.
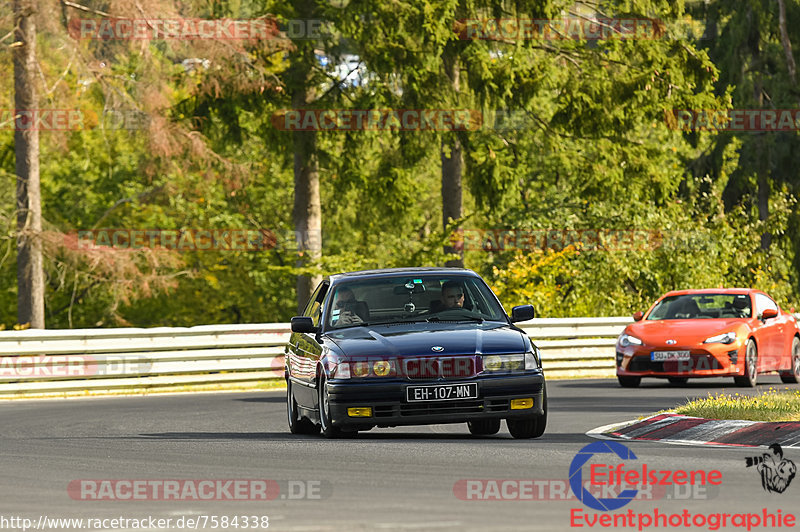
(751, 43)
(307, 213)
(30, 270)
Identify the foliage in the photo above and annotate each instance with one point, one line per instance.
(588, 148)
(771, 405)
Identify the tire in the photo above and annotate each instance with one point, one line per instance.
(327, 429)
(297, 425)
(484, 427)
(531, 426)
(750, 377)
(793, 376)
(629, 382)
(678, 380)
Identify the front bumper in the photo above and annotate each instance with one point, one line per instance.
(712, 360)
(390, 407)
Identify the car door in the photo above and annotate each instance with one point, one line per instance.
(305, 351)
(770, 334)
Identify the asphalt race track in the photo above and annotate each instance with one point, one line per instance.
(386, 479)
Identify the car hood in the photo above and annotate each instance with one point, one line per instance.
(419, 339)
(682, 331)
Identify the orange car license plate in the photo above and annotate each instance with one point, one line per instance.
(663, 356)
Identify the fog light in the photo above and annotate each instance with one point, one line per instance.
(521, 404)
(361, 411)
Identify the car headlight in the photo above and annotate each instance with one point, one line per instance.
(626, 339)
(501, 363)
(725, 338)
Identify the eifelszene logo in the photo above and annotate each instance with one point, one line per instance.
(620, 483)
(576, 476)
(776, 471)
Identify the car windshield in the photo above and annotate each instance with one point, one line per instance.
(702, 306)
(414, 298)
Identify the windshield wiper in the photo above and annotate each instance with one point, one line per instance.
(462, 318)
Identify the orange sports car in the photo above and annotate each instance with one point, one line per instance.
(714, 332)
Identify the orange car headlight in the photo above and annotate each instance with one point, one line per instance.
(725, 338)
(626, 339)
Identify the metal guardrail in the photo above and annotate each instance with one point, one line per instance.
(46, 361)
(53, 361)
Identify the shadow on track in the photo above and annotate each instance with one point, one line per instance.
(266, 399)
(693, 384)
(416, 437)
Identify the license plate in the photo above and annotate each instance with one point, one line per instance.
(663, 356)
(442, 392)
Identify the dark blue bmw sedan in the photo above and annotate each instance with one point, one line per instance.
(412, 346)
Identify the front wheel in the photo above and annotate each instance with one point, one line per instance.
(484, 427)
(327, 428)
(629, 382)
(748, 380)
(529, 427)
(793, 376)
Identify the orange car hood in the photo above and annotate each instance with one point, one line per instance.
(683, 331)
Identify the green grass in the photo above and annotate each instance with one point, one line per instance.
(772, 405)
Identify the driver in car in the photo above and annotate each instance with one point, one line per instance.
(452, 295)
(344, 312)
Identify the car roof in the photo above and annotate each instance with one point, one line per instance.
(398, 272)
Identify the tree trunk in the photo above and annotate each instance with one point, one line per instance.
(785, 42)
(763, 165)
(307, 213)
(307, 210)
(30, 272)
(452, 167)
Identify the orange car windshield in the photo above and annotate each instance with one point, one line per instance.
(702, 306)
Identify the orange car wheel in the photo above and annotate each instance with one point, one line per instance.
(748, 380)
(793, 376)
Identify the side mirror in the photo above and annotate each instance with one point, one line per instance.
(638, 315)
(769, 313)
(303, 324)
(522, 313)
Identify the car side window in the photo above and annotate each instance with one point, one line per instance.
(763, 303)
(314, 307)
